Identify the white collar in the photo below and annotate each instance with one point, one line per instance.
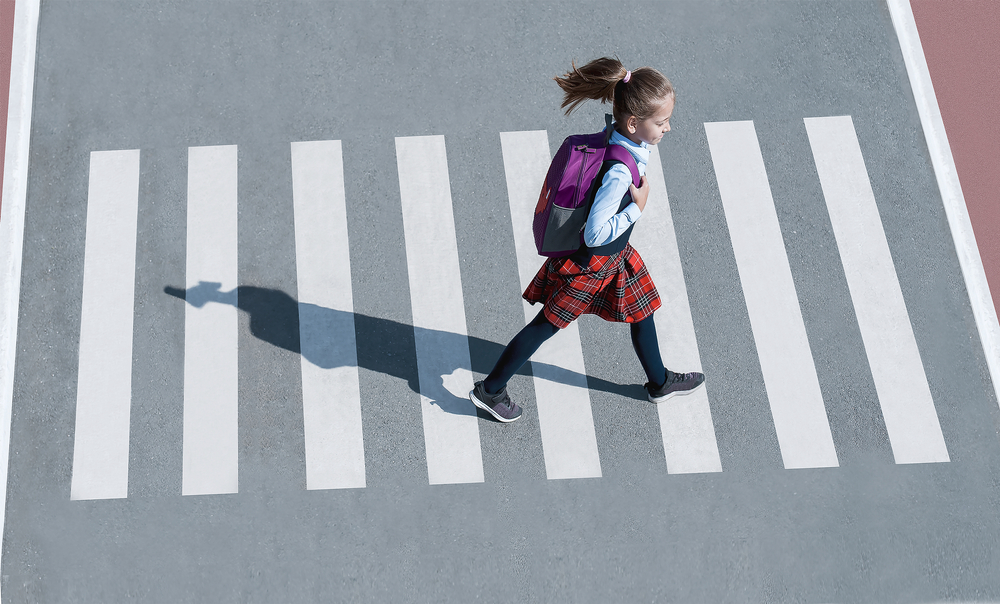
(640, 151)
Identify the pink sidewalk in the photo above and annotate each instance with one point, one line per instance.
(961, 41)
(6, 40)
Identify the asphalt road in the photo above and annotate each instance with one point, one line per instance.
(165, 77)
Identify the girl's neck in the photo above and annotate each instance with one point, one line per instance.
(631, 137)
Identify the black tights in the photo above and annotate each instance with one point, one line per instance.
(534, 334)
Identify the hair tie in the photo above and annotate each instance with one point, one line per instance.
(628, 76)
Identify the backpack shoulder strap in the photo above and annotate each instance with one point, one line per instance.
(618, 153)
(615, 152)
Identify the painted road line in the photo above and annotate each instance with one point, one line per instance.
(211, 347)
(12, 206)
(786, 361)
(565, 417)
(331, 395)
(444, 367)
(685, 422)
(104, 379)
(12, 209)
(973, 271)
(903, 393)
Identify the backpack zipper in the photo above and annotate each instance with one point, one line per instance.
(583, 170)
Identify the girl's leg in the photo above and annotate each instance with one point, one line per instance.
(647, 348)
(520, 349)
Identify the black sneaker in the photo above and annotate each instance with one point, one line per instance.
(677, 384)
(498, 405)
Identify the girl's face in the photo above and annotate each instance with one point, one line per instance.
(651, 129)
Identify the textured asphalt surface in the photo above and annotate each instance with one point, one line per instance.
(161, 77)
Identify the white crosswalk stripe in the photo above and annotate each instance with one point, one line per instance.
(104, 382)
(778, 330)
(333, 408)
(564, 412)
(903, 393)
(331, 395)
(451, 428)
(685, 422)
(211, 428)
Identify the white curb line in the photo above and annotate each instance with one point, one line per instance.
(15, 181)
(951, 190)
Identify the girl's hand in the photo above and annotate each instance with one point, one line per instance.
(640, 194)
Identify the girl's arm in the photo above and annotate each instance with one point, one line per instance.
(605, 222)
(640, 194)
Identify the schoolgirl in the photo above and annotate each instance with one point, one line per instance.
(606, 277)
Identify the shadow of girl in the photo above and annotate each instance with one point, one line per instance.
(382, 345)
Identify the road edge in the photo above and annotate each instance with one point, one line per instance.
(15, 188)
(971, 263)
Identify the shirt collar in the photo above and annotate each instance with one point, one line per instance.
(640, 151)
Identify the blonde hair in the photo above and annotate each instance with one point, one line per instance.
(604, 80)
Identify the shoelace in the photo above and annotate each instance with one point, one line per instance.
(505, 401)
(677, 377)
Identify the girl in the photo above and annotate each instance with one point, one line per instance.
(606, 277)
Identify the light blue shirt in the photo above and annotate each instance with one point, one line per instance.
(605, 222)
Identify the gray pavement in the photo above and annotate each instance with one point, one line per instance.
(161, 77)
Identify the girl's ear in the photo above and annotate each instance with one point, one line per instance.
(632, 123)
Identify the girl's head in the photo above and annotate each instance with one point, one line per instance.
(641, 106)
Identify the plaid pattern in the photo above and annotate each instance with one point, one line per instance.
(615, 288)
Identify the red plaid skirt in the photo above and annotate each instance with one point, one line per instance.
(615, 288)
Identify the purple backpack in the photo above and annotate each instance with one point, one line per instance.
(563, 206)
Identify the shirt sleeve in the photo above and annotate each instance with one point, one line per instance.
(605, 222)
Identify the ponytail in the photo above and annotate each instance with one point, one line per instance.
(604, 80)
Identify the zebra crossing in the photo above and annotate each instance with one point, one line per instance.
(333, 411)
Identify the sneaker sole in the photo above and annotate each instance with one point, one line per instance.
(667, 397)
(475, 401)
